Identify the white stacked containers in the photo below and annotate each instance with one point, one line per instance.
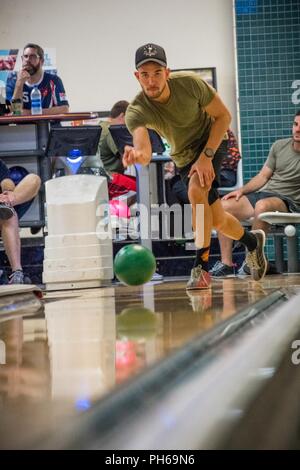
(78, 248)
(81, 338)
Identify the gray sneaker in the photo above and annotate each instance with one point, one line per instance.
(16, 277)
(6, 211)
(157, 277)
(221, 270)
(244, 270)
(256, 259)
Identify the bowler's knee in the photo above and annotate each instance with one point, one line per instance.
(197, 193)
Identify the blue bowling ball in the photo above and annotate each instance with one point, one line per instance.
(17, 173)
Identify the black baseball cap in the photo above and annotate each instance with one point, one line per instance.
(150, 53)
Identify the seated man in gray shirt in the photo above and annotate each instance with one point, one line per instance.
(109, 154)
(275, 188)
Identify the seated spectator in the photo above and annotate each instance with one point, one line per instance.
(275, 188)
(109, 154)
(32, 75)
(15, 200)
(230, 163)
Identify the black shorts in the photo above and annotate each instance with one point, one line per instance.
(258, 195)
(22, 208)
(213, 194)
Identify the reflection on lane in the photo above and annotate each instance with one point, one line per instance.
(92, 340)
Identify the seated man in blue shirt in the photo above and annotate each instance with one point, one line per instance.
(14, 202)
(32, 75)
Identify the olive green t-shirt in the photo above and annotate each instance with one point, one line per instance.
(108, 151)
(284, 161)
(182, 121)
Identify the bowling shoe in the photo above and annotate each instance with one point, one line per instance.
(16, 277)
(6, 211)
(199, 279)
(201, 300)
(256, 259)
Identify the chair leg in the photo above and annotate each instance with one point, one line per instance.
(279, 255)
(292, 250)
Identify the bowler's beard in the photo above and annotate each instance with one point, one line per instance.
(158, 95)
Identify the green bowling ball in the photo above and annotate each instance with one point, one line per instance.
(134, 265)
(136, 322)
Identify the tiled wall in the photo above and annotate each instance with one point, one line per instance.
(268, 53)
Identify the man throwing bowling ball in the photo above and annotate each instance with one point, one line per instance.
(191, 116)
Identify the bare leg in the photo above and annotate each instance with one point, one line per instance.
(199, 195)
(269, 204)
(239, 210)
(27, 189)
(226, 249)
(243, 210)
(11, 241)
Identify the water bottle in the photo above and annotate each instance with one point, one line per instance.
(4, 103)
(2, 94)
(36, 101)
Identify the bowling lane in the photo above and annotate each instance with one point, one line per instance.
(87, 342)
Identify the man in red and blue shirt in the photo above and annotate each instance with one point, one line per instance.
(15, 199)
(54, 100)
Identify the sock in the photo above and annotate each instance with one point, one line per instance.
(202, 258)
(249, 240)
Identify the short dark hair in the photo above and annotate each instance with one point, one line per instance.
(39, 49)
(118, 108)
(297, 113)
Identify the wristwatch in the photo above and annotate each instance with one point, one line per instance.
(209, 153)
